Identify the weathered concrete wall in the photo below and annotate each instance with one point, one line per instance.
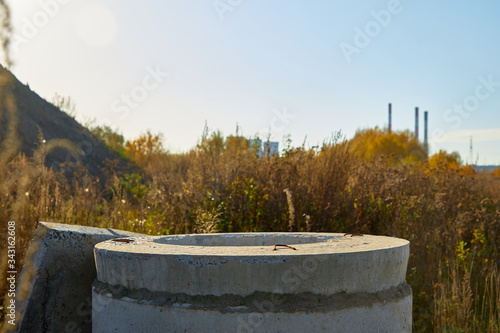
(54, 290)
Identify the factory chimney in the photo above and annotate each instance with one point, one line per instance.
(426, 130)
(390, 117)
(416, 123)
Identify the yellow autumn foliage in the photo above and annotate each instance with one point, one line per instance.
(444, 161)
(495, 173)
(396, 146)
(144, 148)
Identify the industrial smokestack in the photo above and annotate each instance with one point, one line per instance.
(390, 117)
(426, 129)
(416, 123)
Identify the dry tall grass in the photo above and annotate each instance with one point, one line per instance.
(450, 215)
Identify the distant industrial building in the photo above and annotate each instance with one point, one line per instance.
(255, 143)
(269, 148)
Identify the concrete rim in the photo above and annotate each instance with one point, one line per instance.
(259, 244)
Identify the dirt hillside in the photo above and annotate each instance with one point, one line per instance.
(34, 116)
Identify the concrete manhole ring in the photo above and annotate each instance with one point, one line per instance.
(224, 275)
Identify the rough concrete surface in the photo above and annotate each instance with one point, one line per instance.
(315, 282)
(321, 263)
(131, 316)
(286, 303)
(54, 291)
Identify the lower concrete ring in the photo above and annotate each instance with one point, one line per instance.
(116, 310)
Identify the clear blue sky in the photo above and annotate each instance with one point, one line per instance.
(292, 67)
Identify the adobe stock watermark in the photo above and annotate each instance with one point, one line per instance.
(455, 115)
(139, 93)
(279, 122)
(31, 27)
(10, 310)
(372, 29)
(471, 103)
(222, 7)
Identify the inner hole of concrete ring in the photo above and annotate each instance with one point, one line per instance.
(244, 239)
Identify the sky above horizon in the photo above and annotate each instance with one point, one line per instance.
(301, 68)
